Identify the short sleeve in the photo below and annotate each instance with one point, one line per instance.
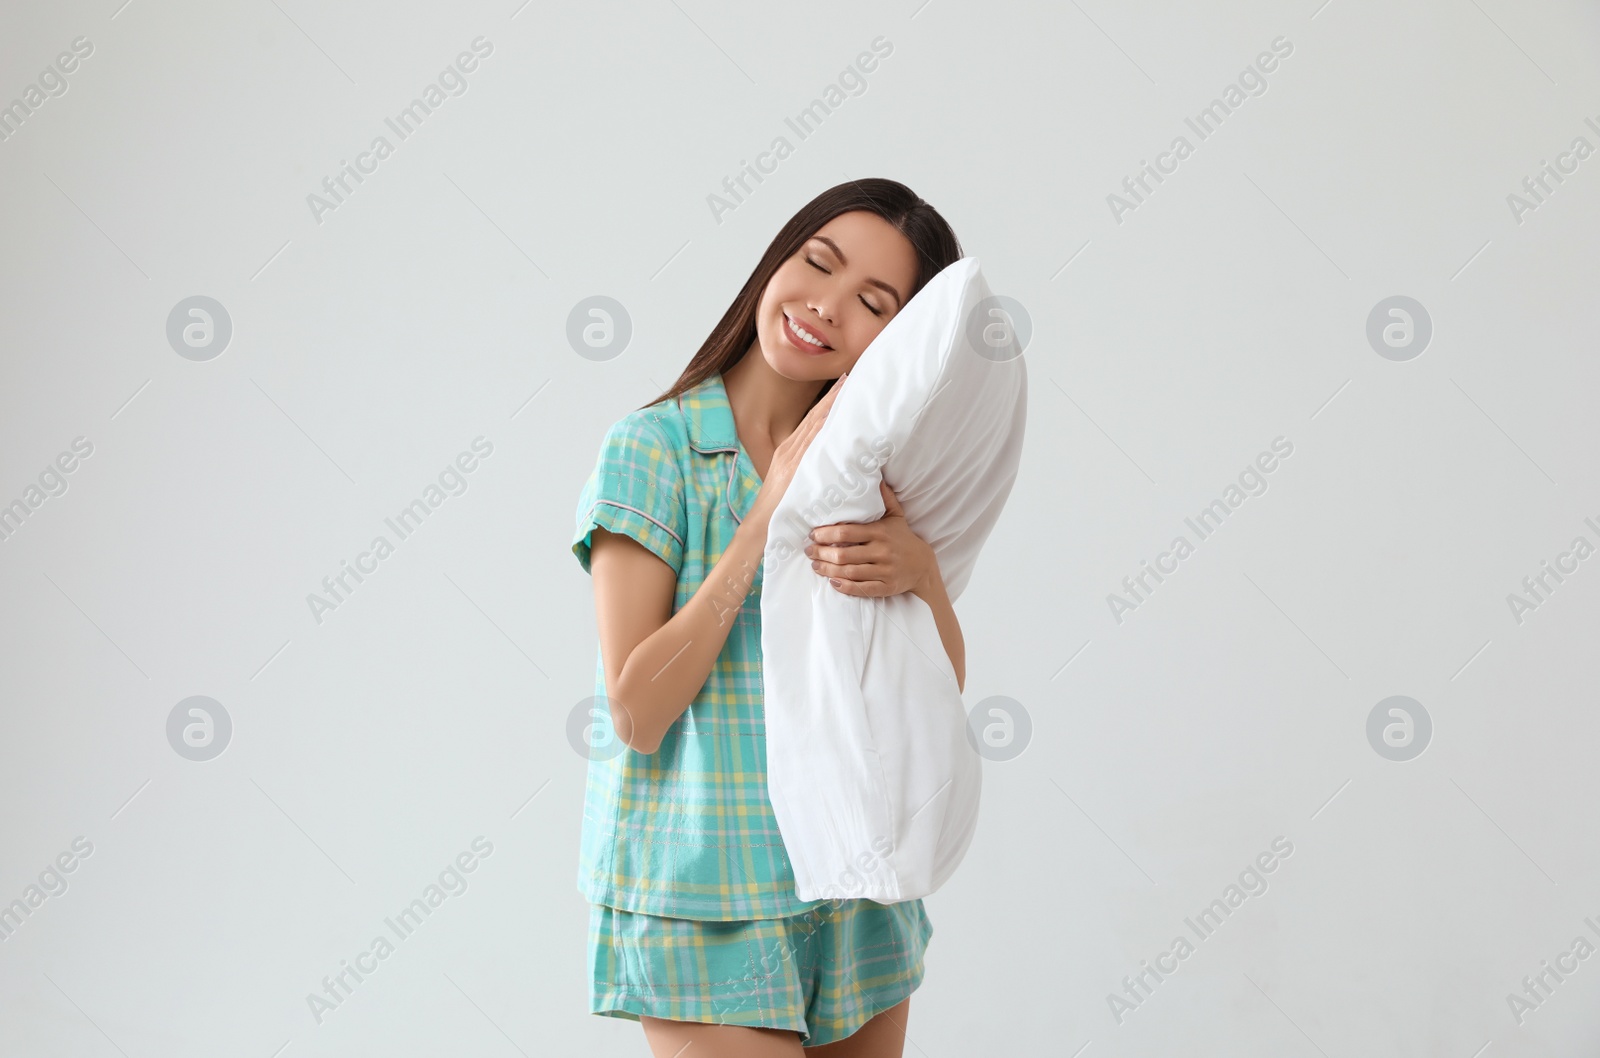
(636, 490)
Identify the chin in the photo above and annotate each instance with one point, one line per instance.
(799, 367)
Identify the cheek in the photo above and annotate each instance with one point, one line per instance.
(863, 337)
(767, 319)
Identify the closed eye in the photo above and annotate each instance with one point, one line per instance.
(825, 272)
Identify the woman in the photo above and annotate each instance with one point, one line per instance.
(695, 927)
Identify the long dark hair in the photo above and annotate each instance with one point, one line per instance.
(930, 236)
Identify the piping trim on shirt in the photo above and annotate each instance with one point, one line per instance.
(698, 427)
(642, 514)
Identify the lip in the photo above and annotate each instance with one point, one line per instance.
(797, 343)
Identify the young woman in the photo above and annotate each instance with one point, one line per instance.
(695, 927)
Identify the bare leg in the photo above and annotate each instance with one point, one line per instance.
(884, 1036)
(691, 1039)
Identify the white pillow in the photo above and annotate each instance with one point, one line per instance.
(873, 781)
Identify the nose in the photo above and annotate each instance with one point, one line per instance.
(821, 306)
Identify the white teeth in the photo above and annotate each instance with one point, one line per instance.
(802, 334)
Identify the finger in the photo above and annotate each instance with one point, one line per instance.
(829, 397)
(845, 533)
(866, 589)
(832, 394)
(867, 554)
(816, 416)
(818, 413)
(800, 439)
(845, 570)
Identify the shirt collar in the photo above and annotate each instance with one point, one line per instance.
(709, 416)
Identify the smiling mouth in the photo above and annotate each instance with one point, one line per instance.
(800, 334)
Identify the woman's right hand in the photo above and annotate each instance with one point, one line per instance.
(786, 457)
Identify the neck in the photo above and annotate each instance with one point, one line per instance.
(765, 404)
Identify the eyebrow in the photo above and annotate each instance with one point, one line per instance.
(898, 301)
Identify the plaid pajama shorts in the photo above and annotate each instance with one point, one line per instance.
(823, 973)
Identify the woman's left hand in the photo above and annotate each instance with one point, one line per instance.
(873, 558)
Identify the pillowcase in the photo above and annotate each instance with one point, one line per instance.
(873, 781)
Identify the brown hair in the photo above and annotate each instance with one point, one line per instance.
(930, 235)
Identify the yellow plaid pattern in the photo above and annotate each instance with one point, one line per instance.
(688, 831)
(823, 974)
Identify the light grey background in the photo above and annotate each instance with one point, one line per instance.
(430, 308)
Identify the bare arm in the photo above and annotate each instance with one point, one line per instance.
(934, 594)
(656, 661)
(885, 557)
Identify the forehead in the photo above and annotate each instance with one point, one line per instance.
(874, 246)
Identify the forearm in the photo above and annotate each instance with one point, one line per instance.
(934, 594)
(664, 673)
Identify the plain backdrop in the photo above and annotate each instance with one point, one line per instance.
(1175, 338)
